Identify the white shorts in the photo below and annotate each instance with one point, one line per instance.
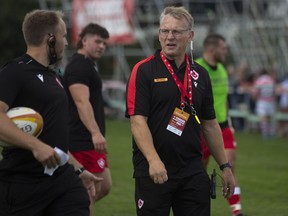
(265, 108)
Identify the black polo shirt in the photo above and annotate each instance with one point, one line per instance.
(26, 83)
(152, 92)
(81, 69)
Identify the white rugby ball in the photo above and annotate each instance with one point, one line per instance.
(26, 119)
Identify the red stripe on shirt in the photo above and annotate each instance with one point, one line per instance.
(131, 90)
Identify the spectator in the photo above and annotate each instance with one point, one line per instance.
(264, 95)
(283, 107)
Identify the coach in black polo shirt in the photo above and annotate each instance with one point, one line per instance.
(169, 101)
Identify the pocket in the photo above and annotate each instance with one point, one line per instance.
(6, 200)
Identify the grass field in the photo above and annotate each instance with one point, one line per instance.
(262, 170)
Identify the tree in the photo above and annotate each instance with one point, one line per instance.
(12, 13)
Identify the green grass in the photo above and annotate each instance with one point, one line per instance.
(262, 170)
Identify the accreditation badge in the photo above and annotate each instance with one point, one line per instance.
(178, 121)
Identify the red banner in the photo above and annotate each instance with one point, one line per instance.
(115, 15)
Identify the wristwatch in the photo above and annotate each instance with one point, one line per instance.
(225, 165)
(79, 171)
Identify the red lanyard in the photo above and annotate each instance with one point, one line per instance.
(182, 88)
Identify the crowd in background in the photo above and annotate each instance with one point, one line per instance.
(242, 97)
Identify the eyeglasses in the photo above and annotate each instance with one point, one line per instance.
(175, 33)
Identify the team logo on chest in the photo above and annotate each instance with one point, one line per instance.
(195, 77)
(40, 76)
(194, 74)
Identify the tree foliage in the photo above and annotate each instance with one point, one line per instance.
(12, 13)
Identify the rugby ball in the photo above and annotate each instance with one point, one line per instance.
(26, 119)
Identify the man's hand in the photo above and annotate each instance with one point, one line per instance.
(89, 180)
(100, 143)
(228, 183)
(46, 155)
(157, 172)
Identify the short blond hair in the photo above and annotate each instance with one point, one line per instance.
(178, 13)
